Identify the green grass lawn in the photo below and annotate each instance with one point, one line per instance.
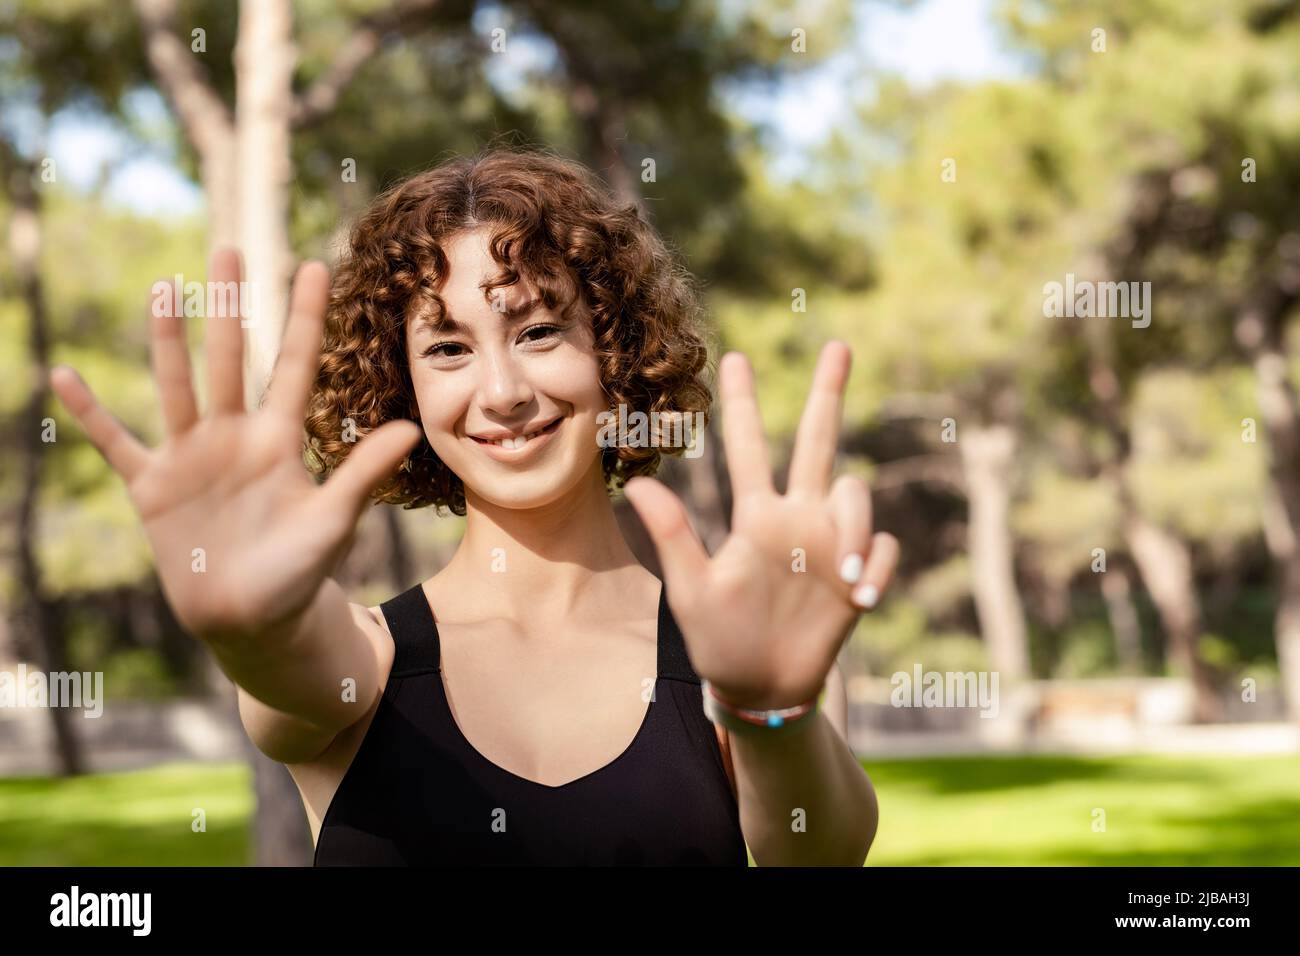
(1014, 811)
(140, 818)
(1038, 811)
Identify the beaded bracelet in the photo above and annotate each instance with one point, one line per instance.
(755, 722)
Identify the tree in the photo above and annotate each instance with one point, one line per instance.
(1213, 208)
(36, 81)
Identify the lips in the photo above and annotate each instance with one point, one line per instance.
(515, 443)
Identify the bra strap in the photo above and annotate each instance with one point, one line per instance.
(415, 634)
(673, 662)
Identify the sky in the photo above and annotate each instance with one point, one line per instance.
(931, 41)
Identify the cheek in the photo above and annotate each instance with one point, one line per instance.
(572, 375)
(439, 399)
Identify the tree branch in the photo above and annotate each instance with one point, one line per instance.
(206, 118)
(919, 469)
(362, 43)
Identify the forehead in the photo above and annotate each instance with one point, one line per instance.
(464, 289)
(469, 258)
(471, 268)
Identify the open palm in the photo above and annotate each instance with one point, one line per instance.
(242, 536)
(766, 615)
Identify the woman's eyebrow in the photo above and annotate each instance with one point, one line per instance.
(522, 310)
(447, 325)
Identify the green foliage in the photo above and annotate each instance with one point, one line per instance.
(89, 536)
(942, 588)
(1192, 470)
(1063, 518)
(897, 637)
(1088, 650)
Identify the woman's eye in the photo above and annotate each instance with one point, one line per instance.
(438, 349)
(537, 333)
(543, 332)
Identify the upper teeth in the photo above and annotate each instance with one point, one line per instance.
(518, 442)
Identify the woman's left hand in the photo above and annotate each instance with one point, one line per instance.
(764, 618)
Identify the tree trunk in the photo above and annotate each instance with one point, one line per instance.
(281, 833)
(37, 613)
(221, 191)
(1165, 563)
(988, 459)
(1163, 560)
(1259, 330)
(1124, 624)
(207, 122)
(264, 64)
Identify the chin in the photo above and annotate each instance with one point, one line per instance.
(522, 493)
(527, 488)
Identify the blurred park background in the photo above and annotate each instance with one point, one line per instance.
(1105, 515)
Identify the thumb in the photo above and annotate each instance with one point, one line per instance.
(683, 558)
(375, 458)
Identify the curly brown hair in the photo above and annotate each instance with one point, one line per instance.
(557, 225)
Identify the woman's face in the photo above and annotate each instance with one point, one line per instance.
(504, 368)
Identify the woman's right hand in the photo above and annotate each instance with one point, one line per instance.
(242, 536)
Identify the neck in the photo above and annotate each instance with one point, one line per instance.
(545, 561)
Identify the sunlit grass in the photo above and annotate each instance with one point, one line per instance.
(967, 811)
(1039, 811)
(139, 818)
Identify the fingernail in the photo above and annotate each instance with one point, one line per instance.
(851, 569)
(867, 595)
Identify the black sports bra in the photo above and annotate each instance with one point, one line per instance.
(418, 793)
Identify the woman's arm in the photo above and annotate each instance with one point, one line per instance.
(293, 700)
(766, 615)
(804, 798)
(243, 538)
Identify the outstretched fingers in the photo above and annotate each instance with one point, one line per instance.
(224, 339)
(120, 449)
(171, 359)
(817, 437)
(850, 505)
(882, 562)
(742, 427)
(299, 358)
(682, 556)
(866, 561)
(375, 458)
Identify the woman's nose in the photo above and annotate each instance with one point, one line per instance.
(504, 386)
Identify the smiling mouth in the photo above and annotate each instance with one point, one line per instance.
(520, 442)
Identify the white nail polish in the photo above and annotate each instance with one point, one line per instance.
(867, 595)
(851, 569)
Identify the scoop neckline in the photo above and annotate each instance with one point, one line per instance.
(466, 744)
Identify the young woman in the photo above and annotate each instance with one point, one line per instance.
(542, 699)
